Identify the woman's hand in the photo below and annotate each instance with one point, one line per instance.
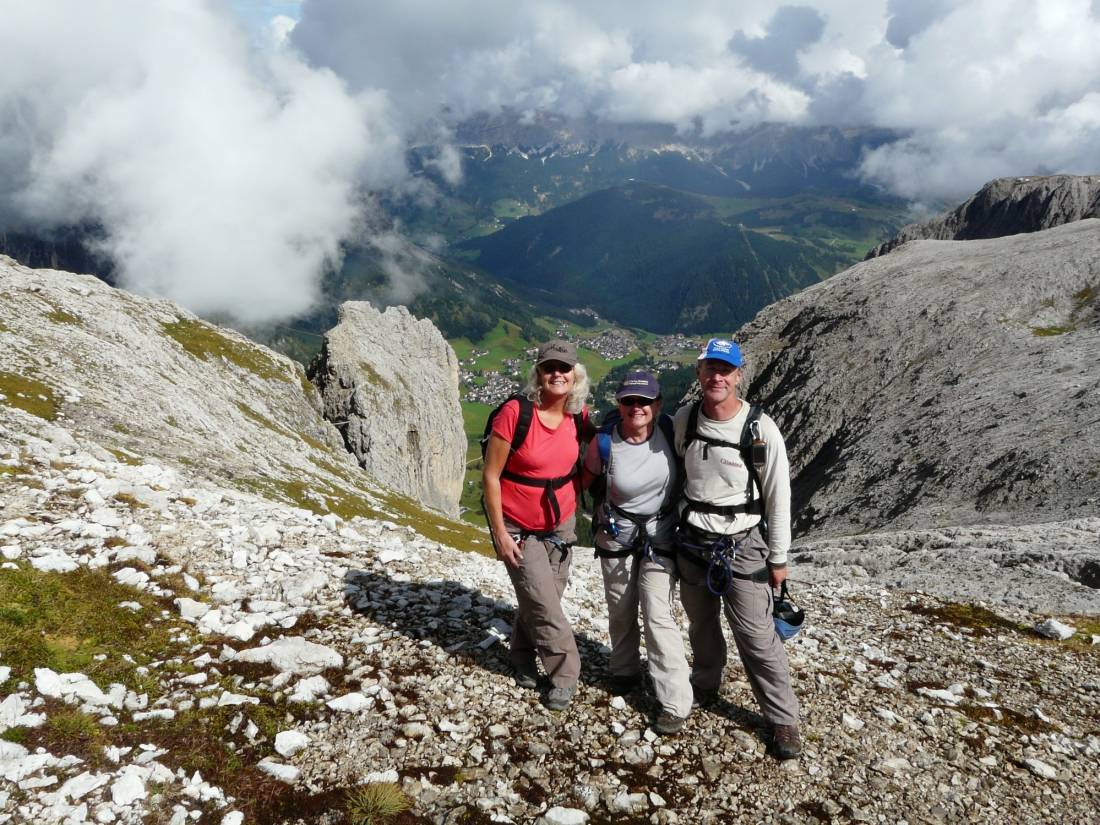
(496, 455)
(508, 550)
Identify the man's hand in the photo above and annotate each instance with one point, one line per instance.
(777, 575)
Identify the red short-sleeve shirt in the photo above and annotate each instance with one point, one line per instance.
(545, 453)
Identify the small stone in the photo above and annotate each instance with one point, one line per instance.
(851, 722)
(1040, 768)
(289, 742)
(285, 773)
(350, 703)
(563, 816)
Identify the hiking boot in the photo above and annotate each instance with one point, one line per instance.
(527, 676)
(622, 685)
(701, 698)
(559, 698)
(669, 724)
(786, 743)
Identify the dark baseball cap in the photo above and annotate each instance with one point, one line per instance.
(557, 350)
(639, 384)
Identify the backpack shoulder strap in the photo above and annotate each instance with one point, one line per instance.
(664, 421)
(603, 444)
(692, 429)
(523, 423)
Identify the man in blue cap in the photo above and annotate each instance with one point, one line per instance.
(733, 537)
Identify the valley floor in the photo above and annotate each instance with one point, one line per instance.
(380, 649)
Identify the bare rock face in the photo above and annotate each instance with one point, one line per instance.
(146, 378)
(390, 384)
(947, 383)
(1008, 206)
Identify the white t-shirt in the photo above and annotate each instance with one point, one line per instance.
(722, 478)
(639, 478)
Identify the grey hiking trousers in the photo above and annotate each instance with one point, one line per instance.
(540, 628)
(748, 608)
(631, 582)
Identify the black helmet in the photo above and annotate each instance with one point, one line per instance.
(788, 618)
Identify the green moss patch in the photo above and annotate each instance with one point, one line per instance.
(124, 457)
(63, 621)
(29, 395)
(321, 497)
(1047, 332)
(982, 621)
(205, 341)
(60, 316)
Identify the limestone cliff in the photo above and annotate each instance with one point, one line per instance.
(1008, 206)
(946, 383)
(390, 384)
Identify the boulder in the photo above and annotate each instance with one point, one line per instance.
(389, 382)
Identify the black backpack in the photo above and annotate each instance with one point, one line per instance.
(753, 451)
(523, 426)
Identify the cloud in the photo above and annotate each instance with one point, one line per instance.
(226, 170)
(908, 19)
(223, 178)
(790, 31)
(948, 74)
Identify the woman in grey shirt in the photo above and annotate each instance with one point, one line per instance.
(635, 542)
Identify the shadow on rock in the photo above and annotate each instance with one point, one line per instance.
(463, 621)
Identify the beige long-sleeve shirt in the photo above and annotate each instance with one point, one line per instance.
(722, 478)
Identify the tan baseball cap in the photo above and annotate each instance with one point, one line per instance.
(557, 350)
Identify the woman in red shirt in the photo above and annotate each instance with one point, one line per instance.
(531, 502)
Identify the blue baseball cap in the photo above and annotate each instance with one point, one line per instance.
(638, 384)
(722, 349)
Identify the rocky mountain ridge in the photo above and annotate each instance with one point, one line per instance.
(390, 381)
(325, 657)
(298, 636)
(947, 383)
(1008, 206)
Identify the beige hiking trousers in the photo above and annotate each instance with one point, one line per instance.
(541, 628)
(748, 609)
(631, 583)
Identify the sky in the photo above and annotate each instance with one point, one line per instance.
(225, 147)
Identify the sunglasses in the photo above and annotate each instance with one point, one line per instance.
(635, 401)
(555, 366)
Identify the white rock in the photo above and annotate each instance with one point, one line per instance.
(1040, 768)
(82, 784)
(1054, 629)
(228, 698)
(48, 683)
(289, 742)
(226, 592)
(295, 655)
(127, 790)
(350, 703)
(190, 609)
(618, 703)
(310, 688)
(56, 563)
(945, 696)
(242, 631)
(563, 816)
(286, 773)
(851, 722)
(265, 535)
(233, 818)
(298, 589)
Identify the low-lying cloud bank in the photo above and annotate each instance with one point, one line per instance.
(226, 174)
